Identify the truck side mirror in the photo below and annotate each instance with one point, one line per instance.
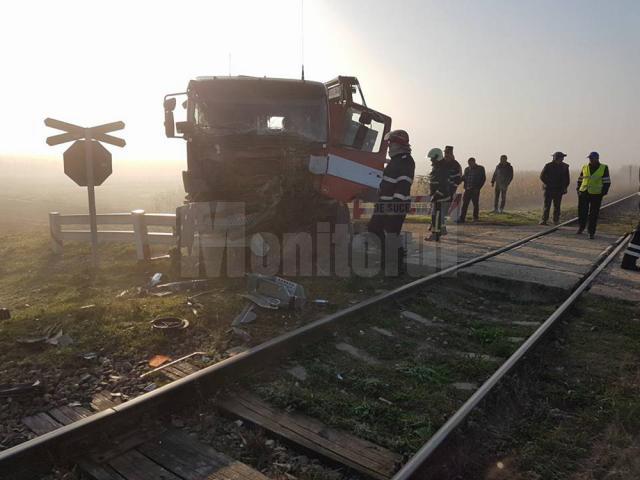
(184, 128)
(169, 123)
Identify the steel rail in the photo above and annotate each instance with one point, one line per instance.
(411, 470)
(66, 441)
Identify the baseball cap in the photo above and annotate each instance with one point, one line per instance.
(594, 155)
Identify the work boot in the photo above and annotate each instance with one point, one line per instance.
(543, 222)
(434, 237)
(579, 232)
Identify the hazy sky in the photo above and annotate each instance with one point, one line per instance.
(524, 78)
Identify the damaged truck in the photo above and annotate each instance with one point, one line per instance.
(292, 153)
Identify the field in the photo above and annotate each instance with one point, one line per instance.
(31, 188)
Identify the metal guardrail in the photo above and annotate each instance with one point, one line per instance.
(138, 220)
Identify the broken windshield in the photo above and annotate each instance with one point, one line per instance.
(305, 118)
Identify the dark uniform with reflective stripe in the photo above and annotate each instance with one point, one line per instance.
(394, 202)
(444, 179)
(632, 253)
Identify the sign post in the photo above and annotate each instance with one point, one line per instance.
(91, 170)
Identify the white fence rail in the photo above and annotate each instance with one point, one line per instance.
(138, 220)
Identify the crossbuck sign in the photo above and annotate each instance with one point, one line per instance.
(87, 162)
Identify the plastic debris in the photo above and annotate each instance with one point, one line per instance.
(158, 360)
(247, 315)
(169, 323)
(274, 292)
(156, 279)
(5, 314)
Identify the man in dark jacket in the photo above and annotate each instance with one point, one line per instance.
(502, 177)
(394, 201)
(555, 181)
(474, 178)
(593, 184)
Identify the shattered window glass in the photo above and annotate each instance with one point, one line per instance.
(302, 118)
(362, 132)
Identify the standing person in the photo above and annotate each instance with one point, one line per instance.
(454, 168)
(438, 184)
(394, 200)
(474, 178)
(555, 179)
(593, 185)
(632, 253)
(502, 176)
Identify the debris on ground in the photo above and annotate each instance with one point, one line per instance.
(161, 294)
(242, 334)
(90, 355)
(184, 285)
(87, 307)
(321, 301)
(247, 315)
(298, 372)
(232, 352)
(274, 292)
(5, 314)
(416, 318)
(169, 323)
(21, 389)
(158, 360)
(156, 279)
(52, 335)
(150, 387)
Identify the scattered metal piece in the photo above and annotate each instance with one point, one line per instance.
(19, 389)
(321, 301)
(87, 307)
(169, 323)
(384, 400)
(158, 360)
(161, 294)
(90, 356)
(183, 285)
(274, 292)
(5, 314)
(52, 335)
(150, 387)
(244, 335)
(247, 315)
(122, 293)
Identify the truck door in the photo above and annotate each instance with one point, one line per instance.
(356, 151)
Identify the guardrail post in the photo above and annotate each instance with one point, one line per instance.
(140, 233)
(56, 232)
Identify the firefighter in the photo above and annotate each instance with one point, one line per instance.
(593, 184)
(555, 181)
(502, 177)
(394, 200)
(474, 178)
(632, 253)
(440, 189)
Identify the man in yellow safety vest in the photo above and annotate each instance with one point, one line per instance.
(593, 184)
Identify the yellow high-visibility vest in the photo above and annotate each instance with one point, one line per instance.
(592, 182)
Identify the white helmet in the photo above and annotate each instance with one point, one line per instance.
(435, 154)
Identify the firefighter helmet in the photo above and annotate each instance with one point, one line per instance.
(435, 154)
(397, 136)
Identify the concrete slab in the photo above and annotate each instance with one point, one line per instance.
(617, 283)
(556, 260)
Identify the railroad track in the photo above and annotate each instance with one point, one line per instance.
(132, 441)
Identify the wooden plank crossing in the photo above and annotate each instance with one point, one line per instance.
(361, 455)
(172, 455)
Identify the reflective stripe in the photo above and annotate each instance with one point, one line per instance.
(633, 245)
(633, 254)
(399, 179)
(401, 197)
(385, 197)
